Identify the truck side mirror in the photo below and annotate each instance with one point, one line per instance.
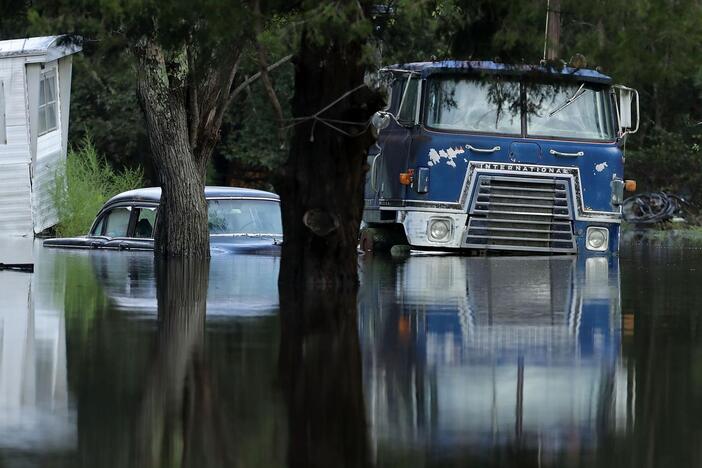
(380, 120)
(628, 99)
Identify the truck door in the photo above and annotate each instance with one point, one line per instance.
(390, 156)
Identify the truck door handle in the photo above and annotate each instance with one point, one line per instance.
(568, 155)
(373, 174)
(483, 150)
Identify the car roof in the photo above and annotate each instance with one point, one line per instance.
(458, 66)
(153, 194)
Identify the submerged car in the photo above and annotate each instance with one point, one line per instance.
(240, 220)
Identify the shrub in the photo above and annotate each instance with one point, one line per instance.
(668, 161)
(83, 184)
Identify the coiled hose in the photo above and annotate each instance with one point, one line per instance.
(653, 207)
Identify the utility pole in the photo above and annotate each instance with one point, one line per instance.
(552, 35)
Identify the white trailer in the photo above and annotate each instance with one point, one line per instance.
(35, 94)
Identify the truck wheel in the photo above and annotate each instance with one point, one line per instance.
(381, 238)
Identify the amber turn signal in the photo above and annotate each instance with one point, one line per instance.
(407, 177)
(630, 185)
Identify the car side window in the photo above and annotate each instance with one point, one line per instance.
(97, 230)
(146, 220)
(117, 222)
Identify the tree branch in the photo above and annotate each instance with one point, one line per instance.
(216, 77)
(265, 77)
(256, 76)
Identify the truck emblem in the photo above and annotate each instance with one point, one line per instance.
(525, 168)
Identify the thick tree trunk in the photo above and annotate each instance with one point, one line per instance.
(181, 227)
(321, 186)
(320, 368)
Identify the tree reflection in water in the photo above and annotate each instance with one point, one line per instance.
(320, 369)
(178, 424)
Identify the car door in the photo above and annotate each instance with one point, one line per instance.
(130, 227)
(112, 227)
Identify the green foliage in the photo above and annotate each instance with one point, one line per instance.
(84, 184)
(417, 30)
(249, 138)
(670, 161)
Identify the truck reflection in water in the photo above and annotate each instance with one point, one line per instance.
(477, 356)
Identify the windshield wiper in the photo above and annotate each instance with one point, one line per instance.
(569, 101)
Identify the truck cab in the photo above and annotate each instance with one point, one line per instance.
(488, 156)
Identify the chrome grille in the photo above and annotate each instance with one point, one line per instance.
(518, 213)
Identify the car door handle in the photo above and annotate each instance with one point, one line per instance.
(483, 150)
(567, 155)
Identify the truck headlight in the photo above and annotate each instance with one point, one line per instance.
(597, 238)
(439, 229)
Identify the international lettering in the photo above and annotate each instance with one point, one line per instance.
(525, 168)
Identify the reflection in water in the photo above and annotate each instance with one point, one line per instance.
(245, 285)
(450, 361)
(178, 423)
(119, 382)
(35, 411)
(488, 356)
(320, 369)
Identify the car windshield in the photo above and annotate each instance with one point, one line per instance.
(569, 111)
(244, 216)
(474, 105)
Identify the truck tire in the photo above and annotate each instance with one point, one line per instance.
(374, 238)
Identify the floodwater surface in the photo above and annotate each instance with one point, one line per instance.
(108, 360)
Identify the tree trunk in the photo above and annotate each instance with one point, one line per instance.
(320, 368)
(322, 181)
(181, 226)
(553, 30)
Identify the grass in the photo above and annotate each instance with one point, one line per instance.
(83, 184)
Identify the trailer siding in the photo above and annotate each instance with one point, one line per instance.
(29, 161)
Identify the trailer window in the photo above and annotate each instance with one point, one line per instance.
(474, 106)
(48, 103)
(569, 111)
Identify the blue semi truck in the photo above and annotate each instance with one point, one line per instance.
(488, 156)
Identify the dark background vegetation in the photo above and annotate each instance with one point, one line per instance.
(654, 46)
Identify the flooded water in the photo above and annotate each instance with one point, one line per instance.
(109, 360)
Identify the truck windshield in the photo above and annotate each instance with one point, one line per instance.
(574, 111)
(569, 111)
(474, 106)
